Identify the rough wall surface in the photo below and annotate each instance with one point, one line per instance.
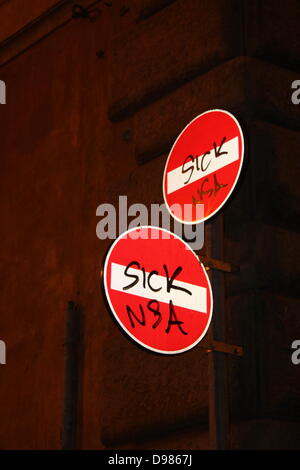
(91, 112)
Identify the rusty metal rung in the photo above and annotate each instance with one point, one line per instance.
(225, 348)
(219, 265)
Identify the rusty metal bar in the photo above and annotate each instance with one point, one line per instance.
(219, 265)
(219, 346)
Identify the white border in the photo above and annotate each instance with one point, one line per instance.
(235, 181)
(113, 310)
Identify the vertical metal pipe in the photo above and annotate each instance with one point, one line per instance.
(219, 414)
(71, 385)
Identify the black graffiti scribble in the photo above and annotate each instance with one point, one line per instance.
(173, 320)
(130, 312)
(218, 152)
(155, 311)
(146, 278)
(211, 191)
(154, 307)
(201, 162)
(170, 280)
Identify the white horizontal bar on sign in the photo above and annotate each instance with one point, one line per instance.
(176, 178)
(196, 301)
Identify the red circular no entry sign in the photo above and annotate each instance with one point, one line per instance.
(203, 166)
(158, 290)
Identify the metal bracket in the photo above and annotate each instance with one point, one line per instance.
(218, 346)
(212, 263)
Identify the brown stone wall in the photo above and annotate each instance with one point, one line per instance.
(92, 109)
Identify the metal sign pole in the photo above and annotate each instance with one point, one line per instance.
(218, 380)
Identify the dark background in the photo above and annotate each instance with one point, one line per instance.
(93, 105)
